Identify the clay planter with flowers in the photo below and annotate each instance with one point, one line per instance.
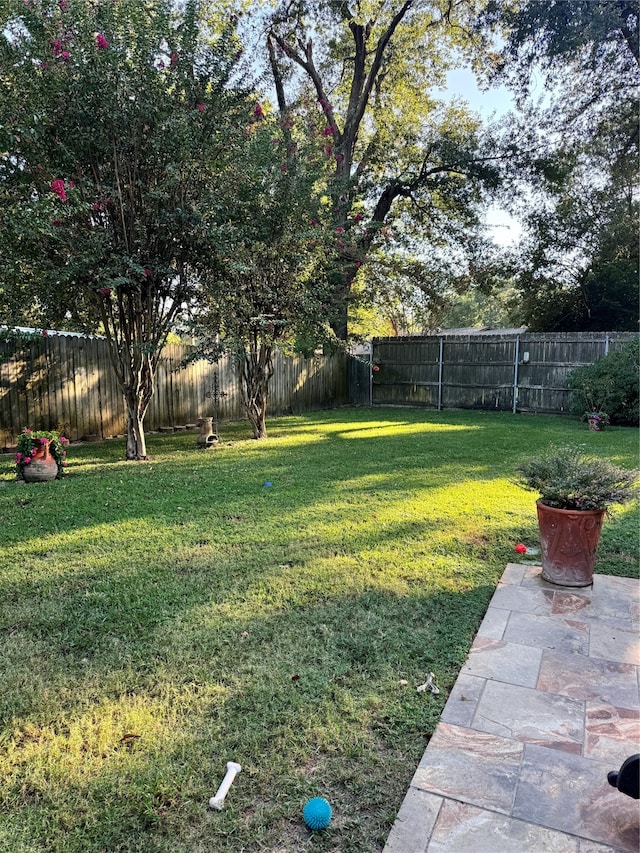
(597, 420)
(40, 455)
(575, 493)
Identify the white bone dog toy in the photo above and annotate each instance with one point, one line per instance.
(217, 801)
(428, 685)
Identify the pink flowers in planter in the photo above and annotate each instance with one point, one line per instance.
(30, 446)
(101, 42)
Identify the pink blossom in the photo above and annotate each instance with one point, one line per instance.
(26, 460)
(65, 56)
(314, 222)
(57, 187)
(64, 463)
(147, 272)
(105, 291)
(339, 158)
(329, 150)
(18, 457)
(160, 65)
(283, 167)
(57, 222)
(357, 217)
(328, 131)
(258, 111)
(201, 107)
(44, 441)
(57, 47)
(375, 368)
(339, 230)
(173, 60)
(340, 244)
(63, 5)
(64, 440)
(358, 264)
(45, 333)
(101, 41)
(27, 432)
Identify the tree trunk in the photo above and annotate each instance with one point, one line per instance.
(137, 396)
(257, 370)
(136, 442)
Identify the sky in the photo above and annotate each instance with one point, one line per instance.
(495, 102)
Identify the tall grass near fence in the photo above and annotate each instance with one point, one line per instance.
(161, 618)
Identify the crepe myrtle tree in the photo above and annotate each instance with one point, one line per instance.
(268, 286)
(397, 155)
(117, 121)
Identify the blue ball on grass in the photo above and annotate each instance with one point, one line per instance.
(317, 813)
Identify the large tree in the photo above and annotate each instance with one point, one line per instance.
(367, 73)
(117, 122)
(578, 265)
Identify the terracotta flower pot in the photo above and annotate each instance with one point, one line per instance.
(568, 542)
(43, 466)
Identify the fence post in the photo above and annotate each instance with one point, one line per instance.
(515, 374)
(440, 374)
(606, 345)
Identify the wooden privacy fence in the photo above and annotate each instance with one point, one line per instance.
(524, 372)
(67, 383)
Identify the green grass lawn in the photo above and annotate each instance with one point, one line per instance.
(159, 619)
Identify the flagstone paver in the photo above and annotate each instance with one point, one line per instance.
(547, 703)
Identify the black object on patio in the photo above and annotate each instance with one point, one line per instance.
(627, 779)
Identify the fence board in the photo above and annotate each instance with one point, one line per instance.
(68, 383)
(481, 371)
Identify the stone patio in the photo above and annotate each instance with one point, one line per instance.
(547, 703)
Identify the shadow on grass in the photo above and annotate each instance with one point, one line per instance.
(309, 700)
